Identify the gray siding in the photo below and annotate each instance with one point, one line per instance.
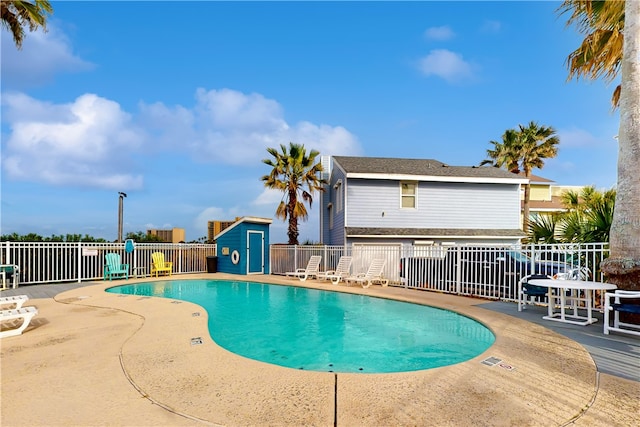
(376, 203)
(335, 235)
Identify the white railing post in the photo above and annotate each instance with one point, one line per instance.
(458, 269)
(79, 261)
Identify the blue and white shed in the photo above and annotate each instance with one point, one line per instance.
(243, 248)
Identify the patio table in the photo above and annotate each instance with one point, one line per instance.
(574, 285)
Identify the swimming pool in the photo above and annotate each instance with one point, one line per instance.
(326, 331)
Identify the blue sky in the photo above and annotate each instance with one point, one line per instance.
(175, 103)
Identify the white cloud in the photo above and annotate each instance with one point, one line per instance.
(439, 33)
(83, 143)
(448, 65)
(269, 197)
(93, 142)
(43, 55)
(227, 126)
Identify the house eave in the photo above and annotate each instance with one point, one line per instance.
(434, 178)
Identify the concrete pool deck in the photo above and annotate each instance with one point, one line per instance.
(91, 358)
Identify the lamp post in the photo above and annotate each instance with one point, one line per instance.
(120, 203)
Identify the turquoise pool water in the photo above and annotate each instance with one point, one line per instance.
(325, 331)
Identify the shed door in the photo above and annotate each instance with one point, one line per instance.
(255, 252)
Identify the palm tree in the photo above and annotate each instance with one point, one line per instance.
(506, 153)
(600, 53)
(522, 150)
(538, 143)
(589, 216)
(610, 55)
(16, 15)
(292, 171)
(543, 229)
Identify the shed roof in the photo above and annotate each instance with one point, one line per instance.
(247, 219)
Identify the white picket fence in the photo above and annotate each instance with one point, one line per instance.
(57, 262)
(483, 271)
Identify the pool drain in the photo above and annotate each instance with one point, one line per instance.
(490, 361)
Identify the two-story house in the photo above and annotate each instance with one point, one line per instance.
(418, 201)
(545, 199)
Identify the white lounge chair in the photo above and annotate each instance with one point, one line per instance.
(312, 269)
(341, 271)
(373, 274)
(17, 300)
(24, 313)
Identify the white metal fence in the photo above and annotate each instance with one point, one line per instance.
(54, 262)
(483, 271)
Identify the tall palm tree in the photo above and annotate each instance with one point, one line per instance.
(611, 55)
(16, 15)
(538, 143)
(293, 170)
(506, 153)
(522, 150)
(600, 53)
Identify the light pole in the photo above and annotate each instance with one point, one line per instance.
(120, 203)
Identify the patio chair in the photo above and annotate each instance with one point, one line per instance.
(341, 271)
(159, 265)
(373, 274)
(9, 273)
(527, 293)
(312, 269)
(621, 301)
(113, 267)
(24, 313)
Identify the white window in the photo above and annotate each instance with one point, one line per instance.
(409, 193)
(339, 196)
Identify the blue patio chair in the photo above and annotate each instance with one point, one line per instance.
(528, 293)
(114, 267)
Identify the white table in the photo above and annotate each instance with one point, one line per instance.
(573, 285)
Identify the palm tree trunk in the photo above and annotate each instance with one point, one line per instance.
(292, 232)
(623, 266)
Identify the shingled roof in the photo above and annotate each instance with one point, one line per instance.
(417, 167)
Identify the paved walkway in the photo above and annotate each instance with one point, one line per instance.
(615, 354)
(94, 358)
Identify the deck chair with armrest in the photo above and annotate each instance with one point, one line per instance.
(113, 267)
(341, 271)
(373, 275)
(159, 265)
(528, 293)
(311, 270)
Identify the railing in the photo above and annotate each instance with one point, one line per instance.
(483, 271)
(54, 262)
